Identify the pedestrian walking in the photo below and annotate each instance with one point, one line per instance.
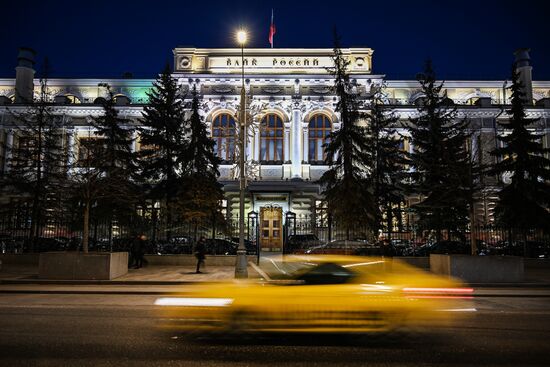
(200, 251)
(138, 250)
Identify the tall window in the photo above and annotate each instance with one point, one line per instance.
(271, 135)
(319, 128)
(90, 151)
(224, 134)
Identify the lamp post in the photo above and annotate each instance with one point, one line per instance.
(241, 270)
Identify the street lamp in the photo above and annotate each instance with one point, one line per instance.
(241, 270)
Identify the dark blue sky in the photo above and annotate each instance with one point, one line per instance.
(466, 40)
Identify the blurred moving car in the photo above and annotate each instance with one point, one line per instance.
(321, 294)
(300, 243)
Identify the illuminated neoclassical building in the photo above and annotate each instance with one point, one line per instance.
(292, 108)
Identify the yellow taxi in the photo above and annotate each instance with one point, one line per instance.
(322, 294)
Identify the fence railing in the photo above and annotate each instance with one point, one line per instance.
(59, 233)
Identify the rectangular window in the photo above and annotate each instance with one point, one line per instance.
(26, 151)
(321, 213)
(90, 151)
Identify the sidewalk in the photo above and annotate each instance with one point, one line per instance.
(152, 275)
(156, 278)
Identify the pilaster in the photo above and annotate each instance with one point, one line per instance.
(296, 142)
(8, 150)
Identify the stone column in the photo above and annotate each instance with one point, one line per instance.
(8, 150)
(305, 144)
(134, 141)
(296, 143)
(248, 145)
(71, 154)
(257, 145)
(287, 142)
(525, 70)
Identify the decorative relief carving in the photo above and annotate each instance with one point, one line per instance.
(7, 92)
(223, 88)
(185, 62)
(272, 89)
(324, 89)
(274, 173)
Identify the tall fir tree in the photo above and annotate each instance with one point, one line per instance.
(199, 150)
(117, 163)
(346, 188)
(201, 192)
(524, 202)
(439, 160)
(163, 139)
(387, 162)
(37, 170)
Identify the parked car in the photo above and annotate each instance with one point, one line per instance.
(176, 245)
(219, 246)
(44, 244)
(299, 243)
(340, 247)
(250, 246)
(8, 245)
(444, 247)
(535, 249)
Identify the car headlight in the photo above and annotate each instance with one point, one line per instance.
(194, 302)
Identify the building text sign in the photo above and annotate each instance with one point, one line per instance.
(267, 61)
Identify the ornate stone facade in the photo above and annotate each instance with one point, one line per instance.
(292, 84)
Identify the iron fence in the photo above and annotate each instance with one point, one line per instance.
(62, 232)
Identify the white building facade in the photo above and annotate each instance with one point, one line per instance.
(291, 109)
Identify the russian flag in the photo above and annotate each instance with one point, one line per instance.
(272, 30)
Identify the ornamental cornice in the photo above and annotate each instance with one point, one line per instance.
(7, 92)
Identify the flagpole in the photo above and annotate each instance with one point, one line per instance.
(273, 38)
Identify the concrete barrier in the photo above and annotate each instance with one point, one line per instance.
(79, 266)
(479, 269)
(188, 260)
(20, 259)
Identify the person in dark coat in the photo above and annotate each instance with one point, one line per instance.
(138, 249)
(200, 252)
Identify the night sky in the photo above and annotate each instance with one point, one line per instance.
(465, 40)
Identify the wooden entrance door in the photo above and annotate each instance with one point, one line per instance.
(271, 228)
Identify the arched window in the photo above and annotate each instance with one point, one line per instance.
(319, 128)
(73, 99)
(224, 134)
(271, 139)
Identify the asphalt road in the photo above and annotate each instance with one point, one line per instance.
(122, 330)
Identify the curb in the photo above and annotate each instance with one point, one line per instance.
(106, 282)
(168, 293)
(189, 282)
(509, 285)
(84, 292)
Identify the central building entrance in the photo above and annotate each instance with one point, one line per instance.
(271, 228)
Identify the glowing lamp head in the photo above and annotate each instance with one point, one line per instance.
(241, 37)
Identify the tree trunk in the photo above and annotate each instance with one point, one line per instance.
(110, 233)
(473, 243)
(195, 229)
(168, 220)
(389, 218)
(214, 226)
(86, 227)
(525, 249)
